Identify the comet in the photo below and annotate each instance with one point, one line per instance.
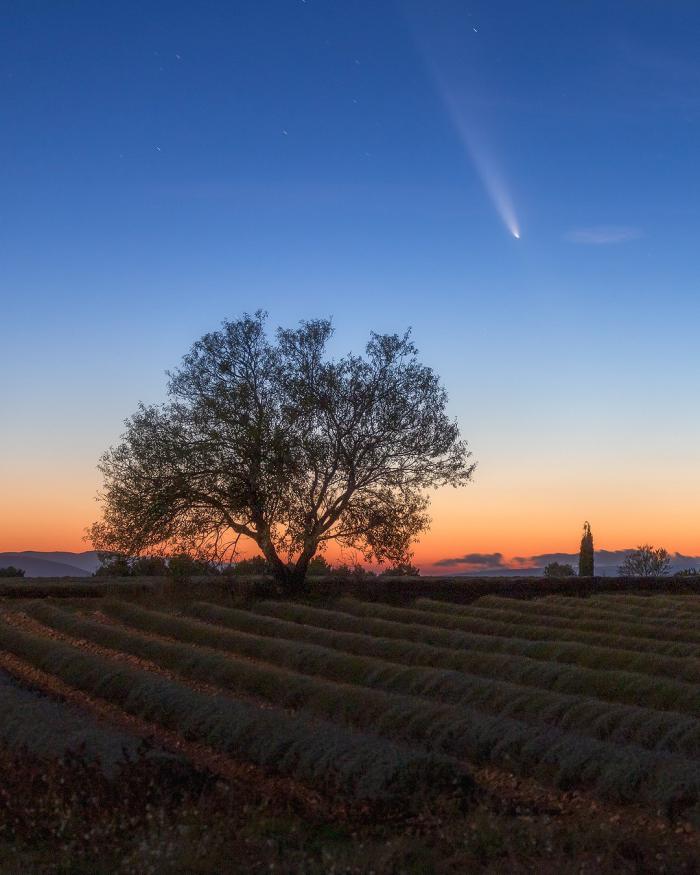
(482, 157)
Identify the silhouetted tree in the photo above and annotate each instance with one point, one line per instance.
(645, 561)
(559, 569)
(149, 566)
(11, 571)
(113, 565)
(276, 442)
(319, 567)
(403, 569)
(356, 571)
(254, 566)
(585, 556)
(182, 567)
(687, 572)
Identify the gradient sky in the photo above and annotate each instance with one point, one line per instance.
(166, 165)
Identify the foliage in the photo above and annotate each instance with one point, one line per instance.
(646, 561)
(113, 565)
(586, 553)
(182, 567)
(255, 566)
(149, 566)
(278, 443)
(319, 567)
(403, 569)
(558, 569)
(11, 571)
(687, 572)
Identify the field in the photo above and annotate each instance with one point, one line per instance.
(141, 733)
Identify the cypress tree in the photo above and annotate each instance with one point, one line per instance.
(585, 556)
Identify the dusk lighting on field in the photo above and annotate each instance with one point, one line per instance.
(349, 437)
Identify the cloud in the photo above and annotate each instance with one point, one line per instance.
(474, 560)
(607, 562)
(602, 235)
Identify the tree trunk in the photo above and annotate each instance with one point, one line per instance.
(291, 579)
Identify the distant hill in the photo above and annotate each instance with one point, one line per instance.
(58, 563)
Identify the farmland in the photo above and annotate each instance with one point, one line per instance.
(344, 735)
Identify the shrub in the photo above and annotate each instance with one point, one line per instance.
(11, 571)
(558, 569)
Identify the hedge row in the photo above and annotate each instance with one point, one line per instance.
(41, 587)
(618, 723)
(47, 727)
(404, 623)
(563, 621)
(621, 686)
(623, 773)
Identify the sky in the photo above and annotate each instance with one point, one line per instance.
(164, 166)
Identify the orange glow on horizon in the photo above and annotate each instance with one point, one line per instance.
(473, 520)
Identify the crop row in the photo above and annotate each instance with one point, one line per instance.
(627, 687)
(334, 760)
(47, 727)
(657, 619)
(380, 619)
(624, 773)
(561, 620)
(683, 606)
(514, 624)
(618, 723)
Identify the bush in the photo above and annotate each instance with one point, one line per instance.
(11, 571)
(558, 569)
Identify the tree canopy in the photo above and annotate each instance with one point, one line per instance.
(276, 441)
(646, 561)
(559, 569)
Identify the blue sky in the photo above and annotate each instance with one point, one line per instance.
(165, 166)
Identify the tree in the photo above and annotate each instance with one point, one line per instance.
(645, 561)
(403, 569)
(183, 566)
(276, 442)
(149, 566)
(11, 571)
(585, 556)
(559, 569)
(319, 567)
(113, 565)
(256, 565)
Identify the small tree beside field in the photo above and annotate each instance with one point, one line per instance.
(646, 561)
